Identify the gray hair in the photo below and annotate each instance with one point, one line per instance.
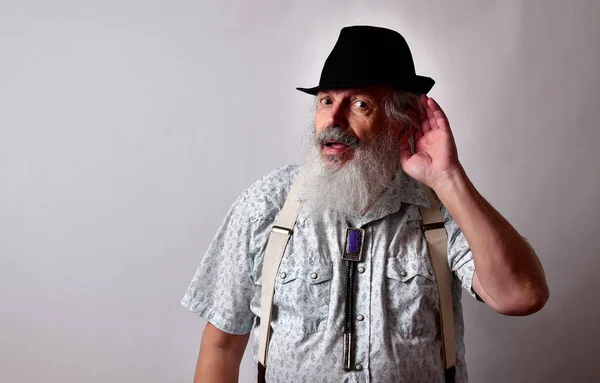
(403, 108)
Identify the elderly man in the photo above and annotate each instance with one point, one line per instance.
(377, 144)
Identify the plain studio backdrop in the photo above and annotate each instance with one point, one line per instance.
(127, 129)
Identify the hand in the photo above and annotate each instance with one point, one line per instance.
(435, 158)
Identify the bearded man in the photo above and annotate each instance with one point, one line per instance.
(378, 142)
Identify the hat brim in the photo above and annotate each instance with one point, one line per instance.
(418, 85)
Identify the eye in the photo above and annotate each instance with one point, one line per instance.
(326, 101)
(361, 104)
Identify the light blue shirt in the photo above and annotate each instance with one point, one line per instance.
(397, 333)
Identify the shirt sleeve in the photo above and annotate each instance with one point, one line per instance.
(460, 257)
(222, 287)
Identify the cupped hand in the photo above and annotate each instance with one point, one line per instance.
(435, 157)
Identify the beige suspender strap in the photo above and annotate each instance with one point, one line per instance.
(278, 239)
(437, 241)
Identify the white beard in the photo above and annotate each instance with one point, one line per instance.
(352, 188)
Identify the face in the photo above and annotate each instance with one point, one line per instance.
(358, 112)
(354, 153)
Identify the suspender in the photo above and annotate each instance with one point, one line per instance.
(437, 240)
(278, 239)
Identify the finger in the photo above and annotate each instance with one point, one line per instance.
(430, 116)
(423, 99)
(438, 114)
(425, 124)
(425, 127)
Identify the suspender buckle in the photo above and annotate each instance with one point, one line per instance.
(433, 226)
(282, 230)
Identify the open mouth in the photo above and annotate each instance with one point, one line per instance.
(335, 144)
(334, 147)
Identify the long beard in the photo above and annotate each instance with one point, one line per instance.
(349, 188)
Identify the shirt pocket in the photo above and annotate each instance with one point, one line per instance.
(302, 295)
(411, 298)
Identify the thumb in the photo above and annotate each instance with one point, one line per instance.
(417, 166)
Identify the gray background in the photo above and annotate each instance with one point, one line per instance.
(127, 128)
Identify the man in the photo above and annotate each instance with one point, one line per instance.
(361, 172)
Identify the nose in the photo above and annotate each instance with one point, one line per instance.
(337, 116)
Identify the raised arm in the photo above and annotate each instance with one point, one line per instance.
(508, 274)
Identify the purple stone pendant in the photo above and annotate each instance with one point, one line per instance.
(354, 244)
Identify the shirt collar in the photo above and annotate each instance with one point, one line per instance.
(410, 190)
(404, 189)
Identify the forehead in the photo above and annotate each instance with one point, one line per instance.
(373, 92)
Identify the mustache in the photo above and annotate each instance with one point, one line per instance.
(337, 134)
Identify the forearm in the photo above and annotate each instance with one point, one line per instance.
(219, 358)
(509, 275)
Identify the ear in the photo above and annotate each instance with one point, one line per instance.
(406, 134)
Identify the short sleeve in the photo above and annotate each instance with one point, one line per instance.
(222, 287)
(460, 257)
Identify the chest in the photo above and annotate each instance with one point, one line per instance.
(394, 279)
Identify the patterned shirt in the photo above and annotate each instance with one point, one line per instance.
(396, 328)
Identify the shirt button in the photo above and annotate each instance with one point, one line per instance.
(283, 275)
(403, 273)
(358, 367)
(431, 271)
(361, 269)
(360, 317)
(314, 275)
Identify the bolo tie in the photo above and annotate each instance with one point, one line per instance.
(351, 255)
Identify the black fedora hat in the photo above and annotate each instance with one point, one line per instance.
(366, 56)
